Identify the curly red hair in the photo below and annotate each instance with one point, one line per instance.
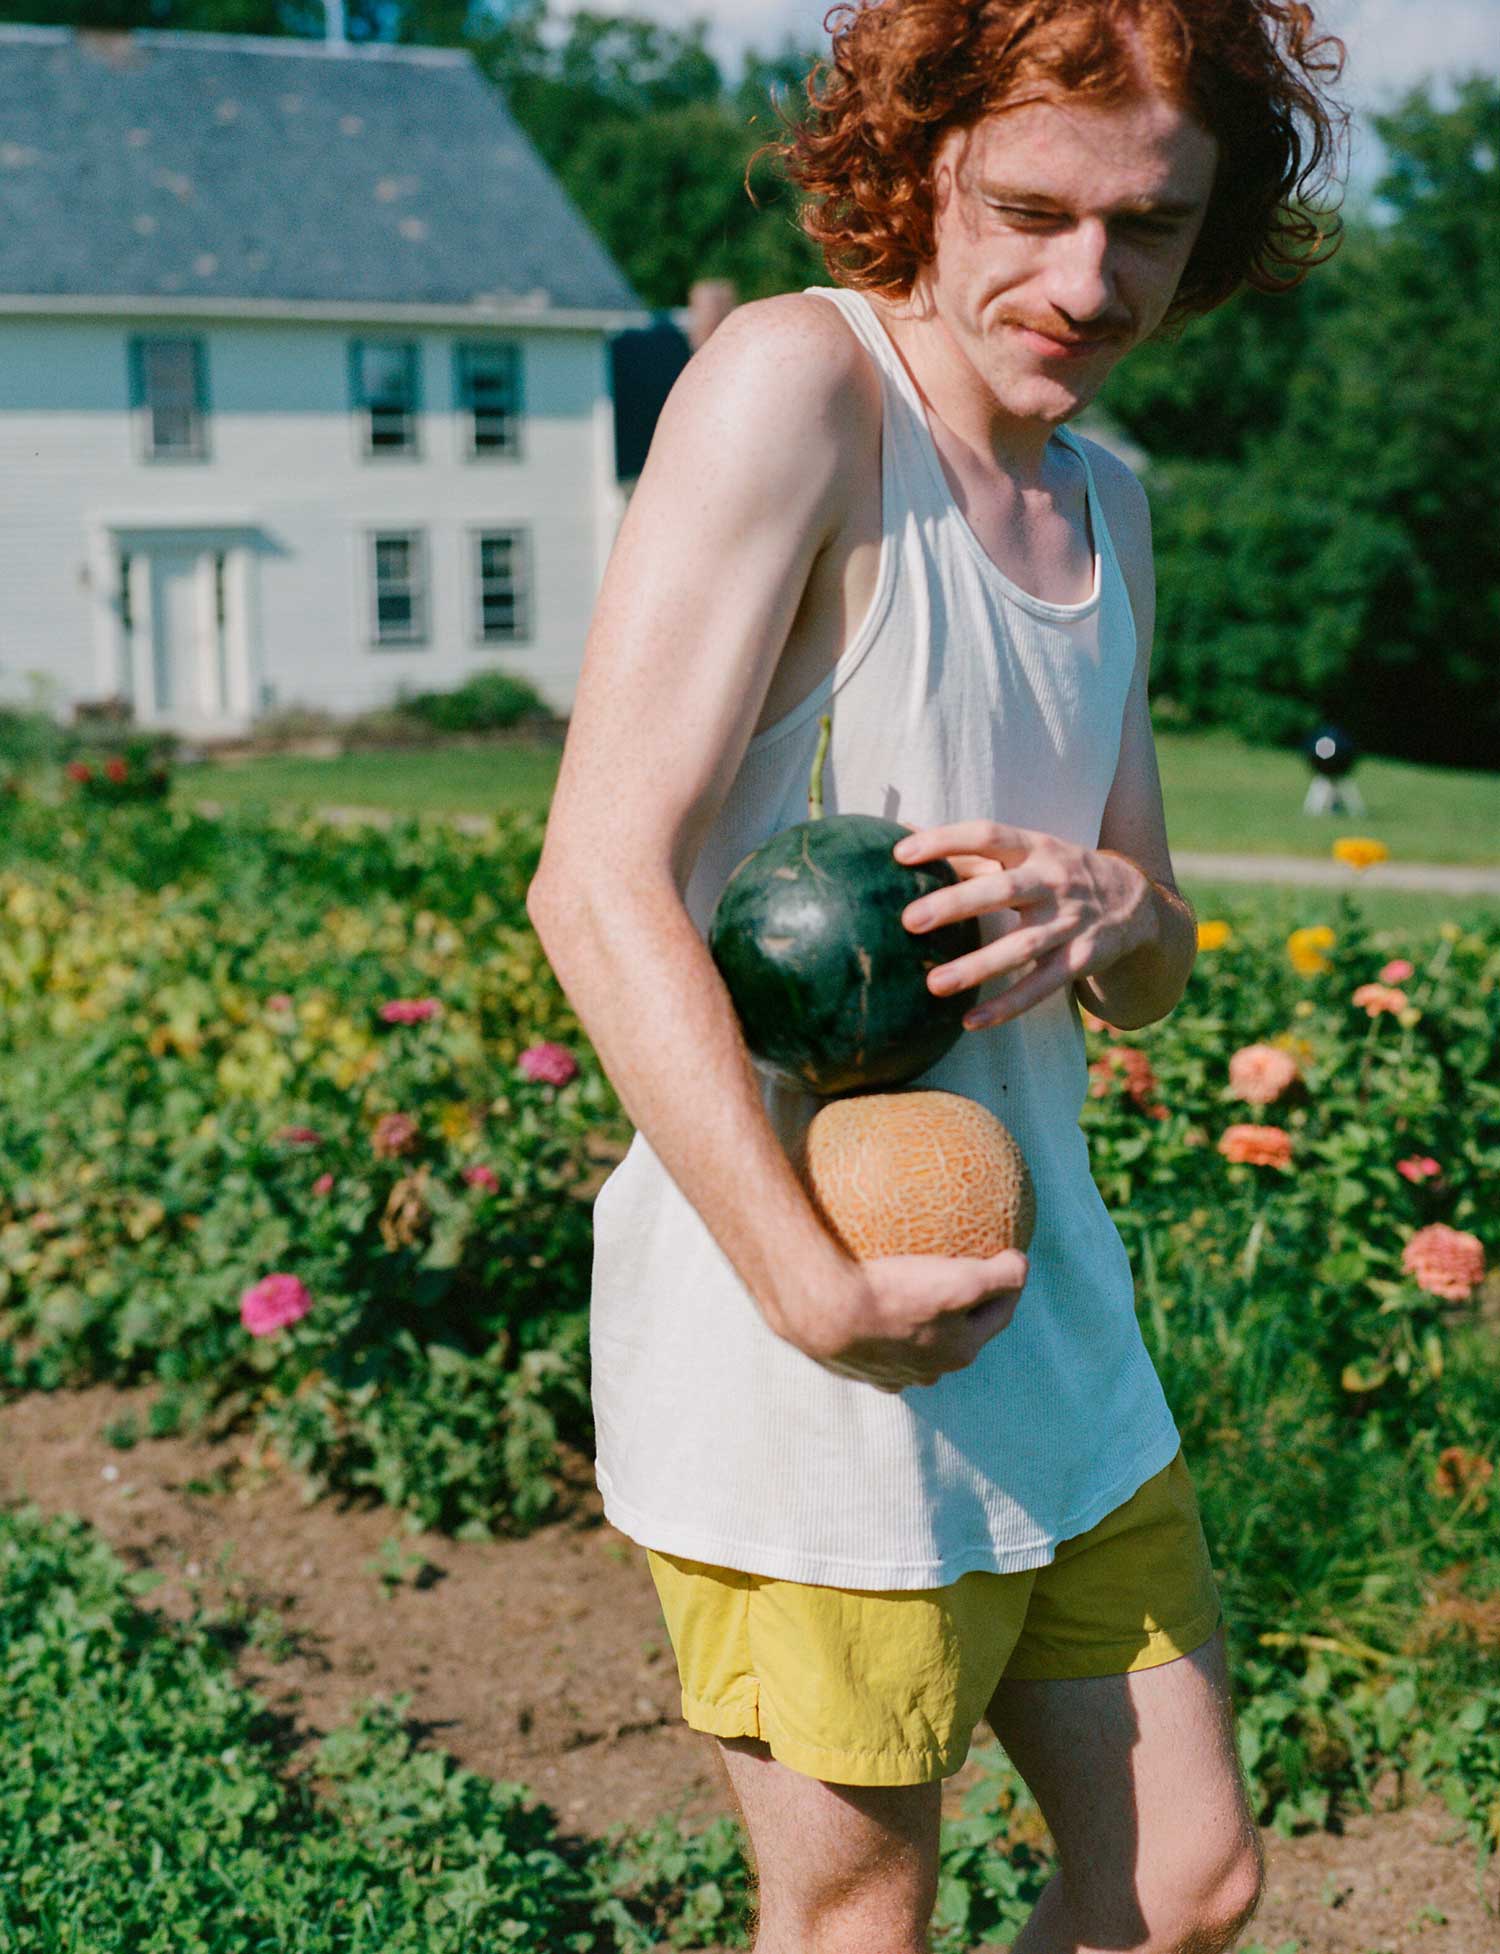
(905, 72)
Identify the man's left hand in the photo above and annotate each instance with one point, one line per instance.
(1075, 910)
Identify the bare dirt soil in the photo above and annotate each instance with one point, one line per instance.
(545, 1661)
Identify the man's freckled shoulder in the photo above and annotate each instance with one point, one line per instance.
(792, 342)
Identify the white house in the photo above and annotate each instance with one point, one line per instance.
(304, 388)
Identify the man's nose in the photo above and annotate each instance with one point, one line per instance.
(1080, 278)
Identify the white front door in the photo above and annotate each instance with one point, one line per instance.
(187, 636)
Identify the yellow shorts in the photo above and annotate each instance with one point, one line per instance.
(861, 1686)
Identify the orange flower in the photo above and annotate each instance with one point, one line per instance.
(1213, 935)
(1133, 1069)
(1360, 852)
(1376, 998)
(1257, 1146)
(1445, 1261)
(1260, 1074)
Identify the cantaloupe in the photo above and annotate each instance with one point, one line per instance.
(917, 1173)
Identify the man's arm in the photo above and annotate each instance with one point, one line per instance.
(1145, 985)
(742, 490)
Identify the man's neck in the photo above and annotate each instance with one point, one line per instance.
(958, 395)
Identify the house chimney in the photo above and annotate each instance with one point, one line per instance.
(710, 303)
(333, 22)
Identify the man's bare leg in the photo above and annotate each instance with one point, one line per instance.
(841, 1868)
(1140, 1783)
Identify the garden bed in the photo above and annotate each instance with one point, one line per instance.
(545, 1662)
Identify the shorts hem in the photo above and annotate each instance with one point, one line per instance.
(1122, 1658)
(890, 1767)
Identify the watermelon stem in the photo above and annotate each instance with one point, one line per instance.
(815, 786)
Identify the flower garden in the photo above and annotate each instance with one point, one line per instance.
(298, 1129)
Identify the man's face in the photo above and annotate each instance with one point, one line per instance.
(1063, 230)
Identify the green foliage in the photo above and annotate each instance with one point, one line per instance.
(1327, 543)
(638, 122)
(146, 1810)
(487, 702)
(194, 1070)
(196, 1073)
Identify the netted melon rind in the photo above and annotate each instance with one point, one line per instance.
(917, 1173)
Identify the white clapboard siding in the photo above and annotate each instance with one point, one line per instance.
(288, 498)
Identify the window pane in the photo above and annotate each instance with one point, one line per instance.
(385, 387)
(170, 391)
(386, 376)
(171, 373)
(398, 588)
(502, 586)
(392, 558)
(396, 613)
(489, 389)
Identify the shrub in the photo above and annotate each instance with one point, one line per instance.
(488, 702)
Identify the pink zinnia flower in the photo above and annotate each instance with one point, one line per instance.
(413, 1010)
(116, 769)
(1445, 1261)
(323, 1184)
(484, 1177)
(394, 1133)
(552, 1065)
(1131, 1067)
(1397, 971)
(1376, 998)
(1257, 1146)
(78, 770)
(1260, 1074)
(300, 1136)
(280, 1001)
(272, 1303)
(1421, 1167)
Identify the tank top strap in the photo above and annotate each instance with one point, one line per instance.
(905, 427)
(1112, 573)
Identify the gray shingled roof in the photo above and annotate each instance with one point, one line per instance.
(223, 166)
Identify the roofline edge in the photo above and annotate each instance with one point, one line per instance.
(330, 311)
(433, 57)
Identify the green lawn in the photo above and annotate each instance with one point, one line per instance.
(1220, 794)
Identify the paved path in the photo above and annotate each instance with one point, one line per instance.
(1294, 869)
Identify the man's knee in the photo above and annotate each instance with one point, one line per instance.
(1238, 1893)
(1208, 1917)
(1193, 1907)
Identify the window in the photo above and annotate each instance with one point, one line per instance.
(502, 560)
(383, 385)
(489, 396)
(400, 587)
(168, 387)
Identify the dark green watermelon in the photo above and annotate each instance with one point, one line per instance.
(829, 984)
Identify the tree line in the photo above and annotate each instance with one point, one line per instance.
(1327, 532)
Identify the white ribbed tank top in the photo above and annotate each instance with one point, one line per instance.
(960, 697)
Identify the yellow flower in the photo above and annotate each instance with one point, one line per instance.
(1304, 1007)
(1301, 1049)
(1213, 936)
(1360, 852)
(1305, 947)
(1449, 932)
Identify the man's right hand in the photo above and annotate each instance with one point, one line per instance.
(910, 1319)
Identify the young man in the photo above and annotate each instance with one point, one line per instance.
(884, 1500)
